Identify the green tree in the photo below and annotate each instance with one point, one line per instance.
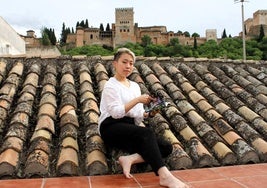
(45, 38)
(108, 27)
(101, 27)
(195, 42)
(224, 34)
(179, 32)
(146, 40)
(86, 23)
(186, 34)
(261, 35)
(209, 49)
(263, 47)
(195, 35)
(174, 41)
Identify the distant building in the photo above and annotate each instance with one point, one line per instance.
(31, 40)
(125, 30)
(253, 25)
(10, 41)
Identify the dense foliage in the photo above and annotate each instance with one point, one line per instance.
(48, 37)
(230, 48)
(226, 47)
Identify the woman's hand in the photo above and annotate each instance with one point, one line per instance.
(145, 99)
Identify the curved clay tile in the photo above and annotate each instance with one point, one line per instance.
(68, 88)
(48, 98)
(5, 104)
(194, 96)
(20, 117)
(41, 133)
(2, 70)
(165, 79)
(68, 130)
(156, 67)
(47, 109)
(69, 118)
(87, 95)
(35, 68)
(9, 90)
(68, 162)
(261, 147)
(51, 68)
(96, 162)
(100, 72)
(31, 79)
(66, 109)
(40, 143)
(37, 164)
(67, 68)
(67, 78)
(205, 107)
(17, 69)
(48, 88)
(101, 85)
(49, 78)
(14, 143)
(70, 142)
(68, 99)
(24, 107)
(85, 76)
(17, 130)
(86, 86)
(8, 165)
(145, 70)
(26, 96)
(45, 122)
(90, 105)
(152, 79)
(137, 78)
(91, 118)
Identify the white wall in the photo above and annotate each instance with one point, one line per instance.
(10, 42)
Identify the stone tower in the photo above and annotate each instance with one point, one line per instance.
(211, 34)
(124, 26)
(254, 24)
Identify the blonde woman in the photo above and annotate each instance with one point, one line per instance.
(122, 112)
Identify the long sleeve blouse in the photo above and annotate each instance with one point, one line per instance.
(114, 97)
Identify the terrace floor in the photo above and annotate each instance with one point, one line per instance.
(240, 176)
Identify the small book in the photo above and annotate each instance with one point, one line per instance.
(156, 105)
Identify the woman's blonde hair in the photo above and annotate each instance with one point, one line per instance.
(121, 51)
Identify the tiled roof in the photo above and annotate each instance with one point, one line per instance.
(49, 110)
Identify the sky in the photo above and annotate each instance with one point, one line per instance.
(177, 15)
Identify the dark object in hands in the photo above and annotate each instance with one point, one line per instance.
(156, 105)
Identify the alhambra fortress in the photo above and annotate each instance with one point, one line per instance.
(124, 30)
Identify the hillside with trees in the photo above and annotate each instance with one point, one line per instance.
(228, 48)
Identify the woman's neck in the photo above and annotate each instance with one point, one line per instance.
(120, 78)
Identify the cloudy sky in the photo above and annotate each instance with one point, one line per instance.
(184, 15)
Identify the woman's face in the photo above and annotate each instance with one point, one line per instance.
(124, 65)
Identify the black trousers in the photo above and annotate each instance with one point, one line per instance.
(125, 135)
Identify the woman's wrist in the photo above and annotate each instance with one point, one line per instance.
(146, 115)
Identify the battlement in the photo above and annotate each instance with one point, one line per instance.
(124, 9)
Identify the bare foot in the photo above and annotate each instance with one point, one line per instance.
(126, 164)
(171, 181)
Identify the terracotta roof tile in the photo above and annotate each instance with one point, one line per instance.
(37, 164)
(45, 122)
(8, 162)
(49, 112)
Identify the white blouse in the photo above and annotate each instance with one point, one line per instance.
(114, 97)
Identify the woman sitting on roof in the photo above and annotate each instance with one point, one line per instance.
(122, 112)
